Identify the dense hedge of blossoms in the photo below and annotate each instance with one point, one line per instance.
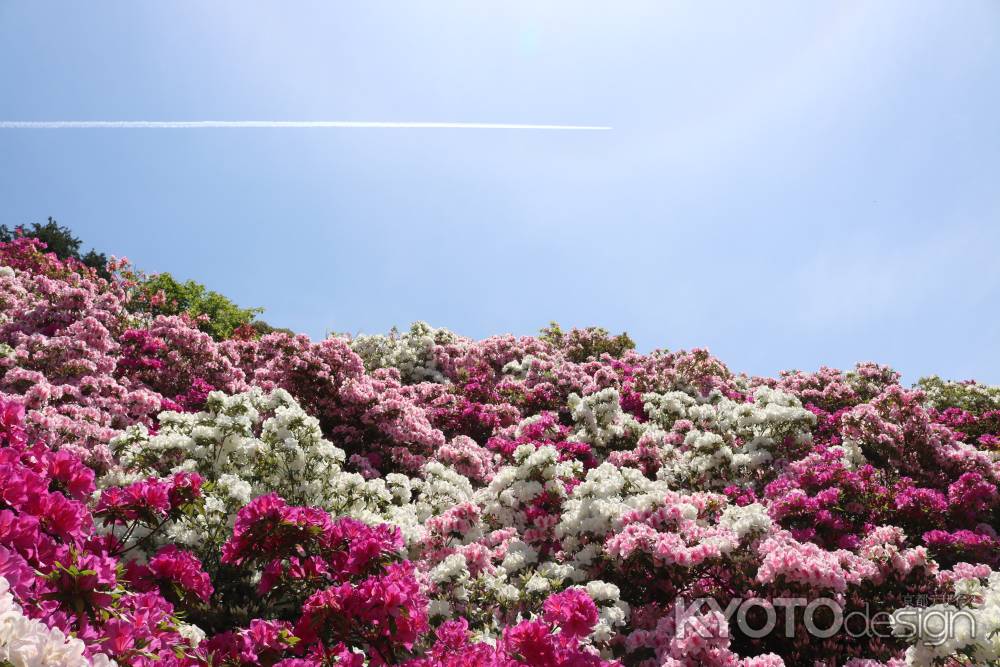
(424, 499)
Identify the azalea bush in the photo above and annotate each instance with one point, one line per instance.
(180, 491)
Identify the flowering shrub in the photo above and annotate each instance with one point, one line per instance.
(429, 500)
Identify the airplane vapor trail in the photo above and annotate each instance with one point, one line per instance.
(237, 124)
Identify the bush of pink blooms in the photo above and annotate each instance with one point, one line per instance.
(425, 499)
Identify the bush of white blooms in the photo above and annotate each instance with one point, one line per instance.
(412, 353)
(713, 444)
(248, 444)
(601, 422)
(593, 510)
(945, 634)
(512, 489)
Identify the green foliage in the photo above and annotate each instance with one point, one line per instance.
(581, 345)
(59, 240)
(162, 294)
(262, 328)
(969, 396)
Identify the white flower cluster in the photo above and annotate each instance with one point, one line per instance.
(727, 441)
(533, 584)
(521, 582)
(751, 519)
(665, 409)
(454, 591)
(439, 488)
(7, 272)
(450, 584)
(519, 368)
(601, 422)
(595, 512)
(412, 352)
(231, 441)
(192, 633)
(967, 634)
(497, 593)
(246, 445)
(519, 556)
(26, 642)
(537, 471)
(612, 610)
(593, 509)
(249, 444)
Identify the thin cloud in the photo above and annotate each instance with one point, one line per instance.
(300, 124)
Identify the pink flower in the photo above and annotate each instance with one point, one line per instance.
(181, 569)
(185, 487)
(573, 611)
(531, 642)
(71, 474)
(147, 500)
(11, 420)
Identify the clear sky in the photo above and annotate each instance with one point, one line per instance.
(789, 184)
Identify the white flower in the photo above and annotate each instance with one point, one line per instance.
(537, 584)
(602, 591)
(750, 519)
(452, 568)
(190, 632)
(731, 440)
(439, 609)
(948, 633)
(601, 422)
(412, 353)
(519, 555)
(236, 488)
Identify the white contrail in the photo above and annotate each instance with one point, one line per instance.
(201, 124)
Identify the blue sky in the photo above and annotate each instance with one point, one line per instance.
(789, 184)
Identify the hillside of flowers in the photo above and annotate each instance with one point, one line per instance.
(171, 498)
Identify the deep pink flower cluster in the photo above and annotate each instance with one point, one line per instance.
(543, 641)
(149, 501)
(573, 611)
(174, 569)
(343, 579)
(71, 578)
(822, 499)
(380, 613)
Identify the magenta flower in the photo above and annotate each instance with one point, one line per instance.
(572, 611)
